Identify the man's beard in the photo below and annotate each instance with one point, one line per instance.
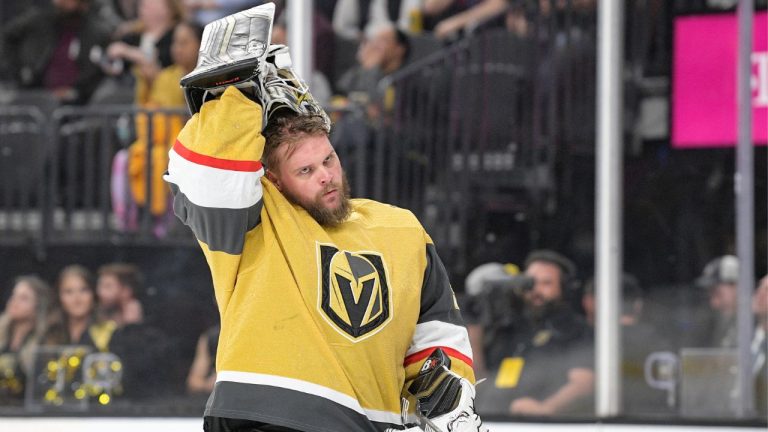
(539, 311)
(323, 215)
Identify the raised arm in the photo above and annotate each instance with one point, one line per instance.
(214, 171)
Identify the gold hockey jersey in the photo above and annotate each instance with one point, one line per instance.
(321, 328)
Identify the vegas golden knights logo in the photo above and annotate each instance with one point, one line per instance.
(354, 294)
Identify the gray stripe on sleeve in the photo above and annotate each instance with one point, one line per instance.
(220, 228)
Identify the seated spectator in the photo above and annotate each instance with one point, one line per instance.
(381, 54)
(161, 91)
(76, 338)
(720, 278)
(540, 354)
(22, 325)
(117, 288)
(72, 320)
(54, 48)
(146, 51)
(351, 18)
(140, 346)
(202, 373)
(481, 279)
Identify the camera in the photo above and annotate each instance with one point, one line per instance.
(501, 302)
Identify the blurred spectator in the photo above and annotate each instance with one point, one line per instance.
(353, 18)
(56, 48)
(638, 340)
(478, 281)
(147, 50)
(720, 279)
(72, 320)
(162, 91)
(381, 54)
(119, 15)
(202, 373)
(117, 289)
(760, 346)
(140, 346)
(22, 325)
(540, 350)
(205, 11)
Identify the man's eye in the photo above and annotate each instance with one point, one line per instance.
(304, 171)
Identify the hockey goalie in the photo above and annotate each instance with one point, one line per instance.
(336, 313)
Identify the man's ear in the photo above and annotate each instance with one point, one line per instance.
(273, 178)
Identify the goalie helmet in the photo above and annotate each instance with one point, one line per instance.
(232, 52)
(284, 89)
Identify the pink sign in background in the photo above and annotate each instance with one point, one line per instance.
(704, 80)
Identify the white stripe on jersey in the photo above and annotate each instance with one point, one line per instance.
(436, 334)
(213, 187)
(309, 388)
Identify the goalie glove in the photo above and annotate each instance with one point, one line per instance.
(232, 52)
(445, 402)
(236, 51)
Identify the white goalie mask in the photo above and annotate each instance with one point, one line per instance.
(284, 89)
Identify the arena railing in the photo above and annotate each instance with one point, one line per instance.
(78, 175)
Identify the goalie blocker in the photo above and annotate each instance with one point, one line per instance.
(444, 400)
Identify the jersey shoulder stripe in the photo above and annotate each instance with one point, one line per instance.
(215, 162)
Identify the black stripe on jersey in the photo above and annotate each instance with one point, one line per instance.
(284, 407)
(222, 229)
(437, 301)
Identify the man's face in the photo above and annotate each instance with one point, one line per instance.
(723, 299)
(75, 296)
(311, 176)
(109, 291)
(21, 306)
(386, 41)
(546, 288)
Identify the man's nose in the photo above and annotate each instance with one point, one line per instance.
(326, 176)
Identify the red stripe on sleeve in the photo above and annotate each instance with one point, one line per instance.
(214, 162)
(421, 355)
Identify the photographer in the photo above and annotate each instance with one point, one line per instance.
(538, 351)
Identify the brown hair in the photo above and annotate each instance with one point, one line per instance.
(57, 320)
(289, 129)
(127, 274)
